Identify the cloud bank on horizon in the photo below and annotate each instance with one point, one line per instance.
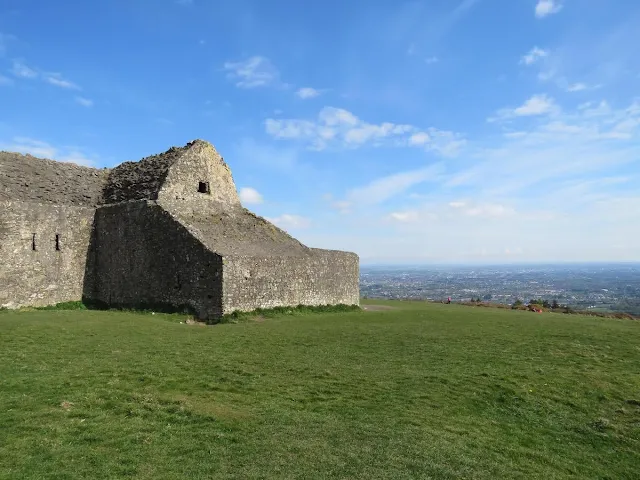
(425, 131)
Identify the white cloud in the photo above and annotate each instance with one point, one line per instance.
(405, 217)
(254, 72)
(489, 211)
(547, 7)
(250, 196)
(587, 141)
(533, 56)
(536, 105)
(431, 60)
(576, 168)
(20, 69)
(308, 92)
(39, 148)
(85, 102)
(57, 80)
(5, 81)
(332, 116)
(420, 138)
(456, 211)
(288, 221)
(384, 188)
(78, 158)
(339, 127)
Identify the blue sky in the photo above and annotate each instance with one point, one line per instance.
(440, 131)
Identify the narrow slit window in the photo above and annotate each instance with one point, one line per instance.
(57, 242)
(33, 242)
(203, 187)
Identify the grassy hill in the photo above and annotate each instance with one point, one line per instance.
(412, 391)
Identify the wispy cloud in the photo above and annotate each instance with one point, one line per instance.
(533, 56)
(586, 140)
(288, 221)
(385, 188)
(452, 211)
(545, 8)
(85, 102)
(42, 149)
(308, 92)
(253, 72)
(250, 196)
(20, 69)
(536, 105)
(431, 60)
(56, 80)
(341, 128)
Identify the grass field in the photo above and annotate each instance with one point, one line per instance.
(417, 391)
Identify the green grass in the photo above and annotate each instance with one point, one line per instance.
(419, 391)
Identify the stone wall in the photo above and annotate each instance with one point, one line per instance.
(43, 276)
(141, 257)
(162, 229)
(140, 180)
(233, 230)
(24, 178)
(199, 162)
(322, 278)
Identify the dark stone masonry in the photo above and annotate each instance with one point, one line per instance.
(167, 232)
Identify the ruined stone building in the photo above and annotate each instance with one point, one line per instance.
(168, 231)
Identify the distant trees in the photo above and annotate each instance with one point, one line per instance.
(518, 303)
(544, 303)
(555, 304)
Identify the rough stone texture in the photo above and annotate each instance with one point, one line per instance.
(141, 257)
(140, 180)
(322, 277)
(200, 162)
(44, 276)
(154, 239)
(30, 179)
(233, 231)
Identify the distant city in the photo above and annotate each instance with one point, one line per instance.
(598, 287)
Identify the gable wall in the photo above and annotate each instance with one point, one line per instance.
(200, 162)
(141, 258)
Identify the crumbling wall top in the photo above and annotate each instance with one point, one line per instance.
(25, 178)
(142, 179)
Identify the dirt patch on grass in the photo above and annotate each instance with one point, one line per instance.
(377, 308)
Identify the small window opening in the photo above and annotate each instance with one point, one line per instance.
(57, 242)
(33, 242)
(203, 187)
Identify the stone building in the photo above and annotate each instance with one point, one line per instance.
(167, 232)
